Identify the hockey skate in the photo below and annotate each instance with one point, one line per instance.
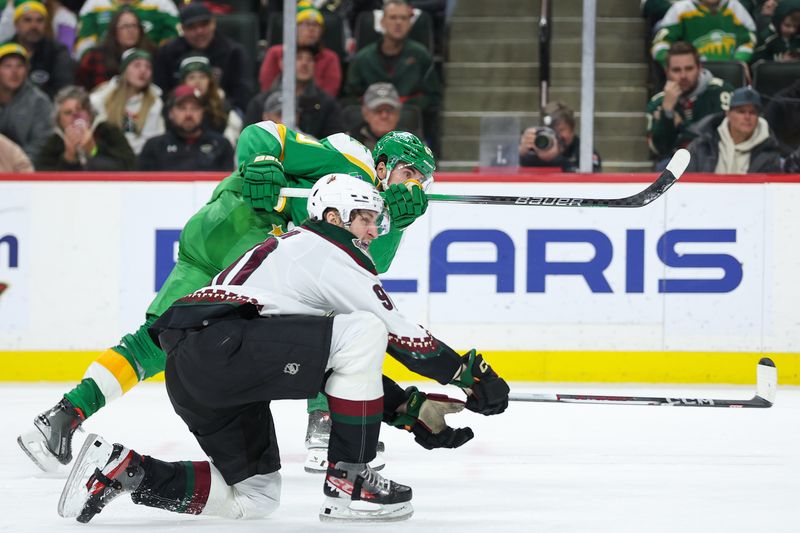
(49, 443)
(101, 472)
(354, 492)
(317, 438)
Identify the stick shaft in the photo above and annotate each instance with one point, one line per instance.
(756, 401)
(766, 384)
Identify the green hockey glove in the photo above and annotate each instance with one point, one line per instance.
(405, 204)
(263, 179)
(423, 415)
(487, 393)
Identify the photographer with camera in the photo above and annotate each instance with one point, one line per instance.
(554, 144)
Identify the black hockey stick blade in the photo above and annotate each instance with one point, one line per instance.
(675, 169)
(766, 385)
(677, 165)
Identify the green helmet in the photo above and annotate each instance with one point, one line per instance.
(404, 147)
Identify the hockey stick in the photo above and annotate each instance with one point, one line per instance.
(766, 383)
(673, 172)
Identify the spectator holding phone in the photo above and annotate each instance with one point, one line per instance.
(81, 141)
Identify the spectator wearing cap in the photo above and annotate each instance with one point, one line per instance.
(736, 142)
(380, 113)
(101, 63)
(131, 101)
(398, 60)
(187, 145)
(25, 111)
(160, 17)
(81, 140)
(229, 63)
(273, 108)
(318, 114)
(564, 147)
(51, 66)
(195, 71)
(61, 22)
(327, 68)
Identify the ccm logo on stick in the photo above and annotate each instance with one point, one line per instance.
(592, 271)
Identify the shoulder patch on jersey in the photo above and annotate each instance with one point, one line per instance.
(355, 152)
(716, 81)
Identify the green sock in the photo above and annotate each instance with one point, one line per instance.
(87, 397)
(320, 403)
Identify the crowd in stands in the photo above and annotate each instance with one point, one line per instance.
(73, 87)
(715, 95)
(727, 128)
(166, 85)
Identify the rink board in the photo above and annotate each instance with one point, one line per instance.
(693, 288)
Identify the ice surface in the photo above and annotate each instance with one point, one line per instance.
(536, 468)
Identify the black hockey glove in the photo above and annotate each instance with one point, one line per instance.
(487, 393)
(423, 415)
(405, 204)
(263, 179)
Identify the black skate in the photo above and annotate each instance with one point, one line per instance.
(355, 492)
(101, 472)
(49, 443)
(317, 437)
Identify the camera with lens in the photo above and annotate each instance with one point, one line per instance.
(545, 138)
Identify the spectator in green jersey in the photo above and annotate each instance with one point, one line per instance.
(690, 93)
(720, 30)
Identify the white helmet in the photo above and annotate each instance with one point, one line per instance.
(346, 193)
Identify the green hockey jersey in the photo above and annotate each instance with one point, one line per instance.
(667, 134)
(159, 18)
(725, 34)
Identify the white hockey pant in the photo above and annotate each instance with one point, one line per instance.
(358, 345)
(255, 497)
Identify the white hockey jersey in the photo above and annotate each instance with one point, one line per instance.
(319, 269)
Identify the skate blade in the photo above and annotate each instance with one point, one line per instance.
(343, 510)
(32, 443)
(94, 454)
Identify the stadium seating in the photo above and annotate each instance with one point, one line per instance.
(733, 72)
(769, 77)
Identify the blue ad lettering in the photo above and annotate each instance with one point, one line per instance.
(166, 254)
(592, 271)
(502, 268)
(731, 267)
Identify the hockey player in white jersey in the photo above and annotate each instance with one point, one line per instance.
(296, 314)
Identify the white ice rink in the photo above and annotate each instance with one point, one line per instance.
(537, 468)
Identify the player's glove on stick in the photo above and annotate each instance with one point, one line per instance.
(487, 393)
(405, 203)
(263, 179)
(423, 415)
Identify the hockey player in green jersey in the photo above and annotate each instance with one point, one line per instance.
(244, 209)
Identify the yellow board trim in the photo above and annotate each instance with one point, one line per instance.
(120, 368)
(613, 367)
